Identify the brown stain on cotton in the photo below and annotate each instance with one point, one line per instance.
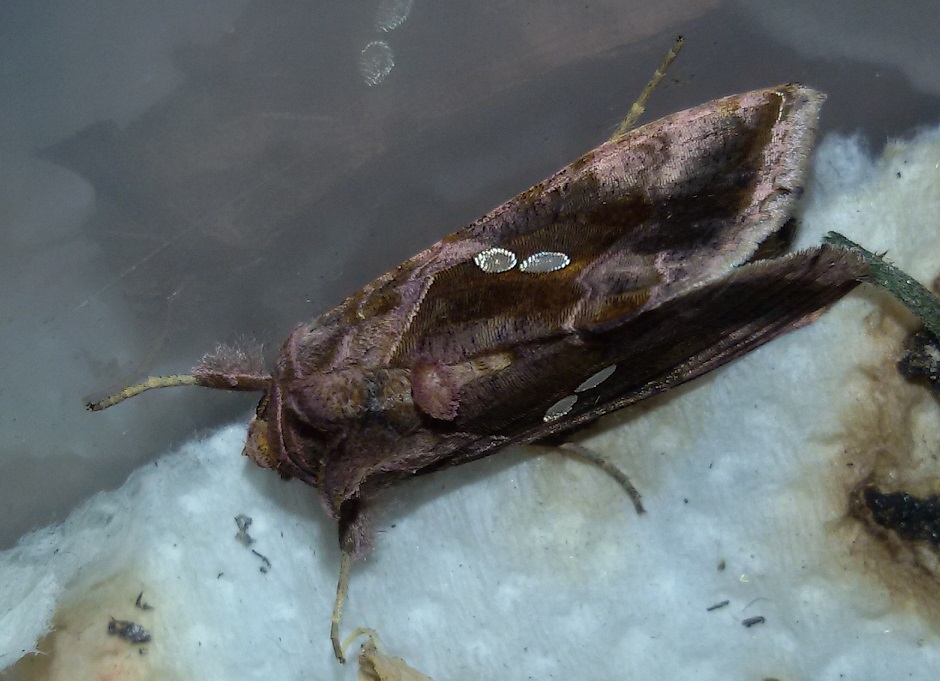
(890, 444)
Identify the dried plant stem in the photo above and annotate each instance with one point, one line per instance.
(915, 296)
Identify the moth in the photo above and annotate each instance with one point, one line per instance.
(633, 270)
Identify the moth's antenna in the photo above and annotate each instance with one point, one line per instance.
(227, 368)
(639, 106)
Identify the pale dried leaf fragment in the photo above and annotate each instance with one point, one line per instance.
(375, 665)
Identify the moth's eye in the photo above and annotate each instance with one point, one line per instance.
(262, 405)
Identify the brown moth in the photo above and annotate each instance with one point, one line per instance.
(627, 273)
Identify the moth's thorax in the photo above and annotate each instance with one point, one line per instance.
(330, 426)
(341, 398)
(362, 331)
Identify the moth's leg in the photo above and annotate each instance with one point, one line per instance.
(342, 588)
(353, 539)
(590, 456)
(639, 106)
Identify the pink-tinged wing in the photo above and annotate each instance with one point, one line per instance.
(622, 229)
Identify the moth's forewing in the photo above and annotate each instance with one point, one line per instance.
(674, 202)
(670, 204)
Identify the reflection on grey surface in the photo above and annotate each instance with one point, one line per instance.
(259, 180)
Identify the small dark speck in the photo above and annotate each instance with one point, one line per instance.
(911, 518)
(899, 174)
(219, 576)
(264, 559)
(717, 606)
(685, 501)
(751, 621)
(129, 631)
(140, 603)
(243, 522)
(722, 565)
